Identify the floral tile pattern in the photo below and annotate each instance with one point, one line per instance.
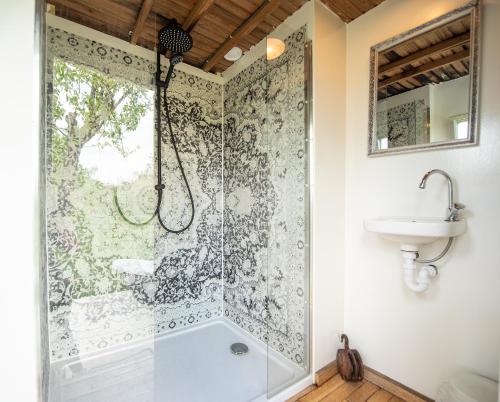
(404, 125)
(262, 246)
(265, 200)
(93, 306)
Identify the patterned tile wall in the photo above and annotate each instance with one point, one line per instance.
(404, 124)
(265, 267)
(92, 305)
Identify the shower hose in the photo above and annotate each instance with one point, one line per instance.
(160, 186)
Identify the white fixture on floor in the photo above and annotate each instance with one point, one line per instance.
(160, 367)
(412, 232)
(468, 387)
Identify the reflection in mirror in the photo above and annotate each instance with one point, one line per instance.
(424, 86)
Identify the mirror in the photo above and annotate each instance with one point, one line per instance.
(423, 85)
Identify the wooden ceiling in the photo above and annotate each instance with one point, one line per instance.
(215, 25)
(349, 10)
(441, 54)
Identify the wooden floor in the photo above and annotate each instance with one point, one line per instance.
(337, 389)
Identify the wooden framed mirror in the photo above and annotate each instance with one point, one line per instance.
(424, 86)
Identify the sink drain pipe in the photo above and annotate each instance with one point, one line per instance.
(417, 281)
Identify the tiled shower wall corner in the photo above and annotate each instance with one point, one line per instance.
(94, 306)
(189, 265)
(265, 210)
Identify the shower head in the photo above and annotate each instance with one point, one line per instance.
(174, 38)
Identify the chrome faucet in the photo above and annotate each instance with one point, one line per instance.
(453, 207)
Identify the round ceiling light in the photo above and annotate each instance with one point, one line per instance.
(234, 54)
(275, 48)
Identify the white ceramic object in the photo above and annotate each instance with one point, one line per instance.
(412, 232)
(468, 387)
(234, 54)
(161, 368)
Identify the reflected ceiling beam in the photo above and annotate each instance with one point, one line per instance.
(426, 52)
(424, 68)
(244, 29)
(196, 13)
(141, 20)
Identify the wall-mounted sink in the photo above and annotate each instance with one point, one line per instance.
(411, 232)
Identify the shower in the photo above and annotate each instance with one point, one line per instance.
(135, 312)
(175, 41)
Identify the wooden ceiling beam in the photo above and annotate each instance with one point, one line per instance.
(196, 13)
(93, 8)
(424, 68)
(248, 26)
(141, 20)
(427, 52)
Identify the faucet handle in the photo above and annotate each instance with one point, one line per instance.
(454, 213)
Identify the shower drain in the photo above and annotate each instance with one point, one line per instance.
(239, 349)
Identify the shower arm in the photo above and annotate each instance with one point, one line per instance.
(160, 187)
(176, 58)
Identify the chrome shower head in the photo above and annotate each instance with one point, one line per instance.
(174, 38)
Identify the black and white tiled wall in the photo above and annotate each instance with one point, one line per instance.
(265, 200)
(92, 306)
(262, 288)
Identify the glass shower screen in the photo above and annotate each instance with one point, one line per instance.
(287, 116)
(219, 312)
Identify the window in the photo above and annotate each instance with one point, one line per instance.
(461, 127)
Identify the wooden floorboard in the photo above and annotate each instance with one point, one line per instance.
(399, 390)
(338, 390)
(342, 392)
(319, 393)
(381, 396)
(375, 387)
(363, 393)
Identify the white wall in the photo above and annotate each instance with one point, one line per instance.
(420, 339)
(329, 90)
(18, 203)
(448, 99)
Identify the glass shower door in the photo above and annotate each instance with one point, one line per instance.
(211, 300)
(287, 63)
(247, 208)
(100, 248)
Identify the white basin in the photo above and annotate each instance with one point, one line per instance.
(412, 232)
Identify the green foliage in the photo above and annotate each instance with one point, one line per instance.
(86, 103)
